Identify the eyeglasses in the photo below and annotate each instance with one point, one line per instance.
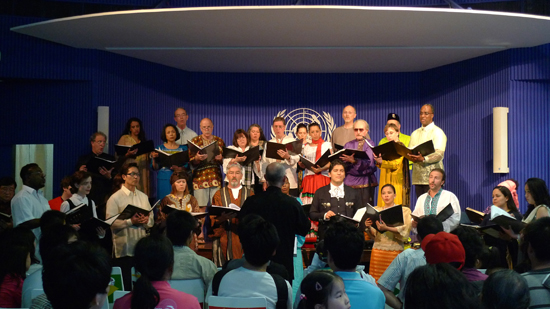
(134, 174)
(181, 115)
(424, 113)
(358, 129)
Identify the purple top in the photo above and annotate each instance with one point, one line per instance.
(472, 274)
(363, 171)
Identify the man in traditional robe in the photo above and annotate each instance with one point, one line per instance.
(226, 245)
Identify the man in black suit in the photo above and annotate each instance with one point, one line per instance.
(334, 198)
(283, 211)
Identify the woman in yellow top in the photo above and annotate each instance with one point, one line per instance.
(395, 172)
(390, 241)
(134, 134)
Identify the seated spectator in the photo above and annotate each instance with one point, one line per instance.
(259, 240)
(344, 246)
(505, 289)
(76, 276)
(15, 260)
(154, 260)
(402, 266)
(52, 237)
(181, 228)
(325, 289)
(444, 247)
(535, 239)
(474, 249)
(439, 285)
(50, 219)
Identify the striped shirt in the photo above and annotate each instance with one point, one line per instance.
(400, 269)
(540, 294)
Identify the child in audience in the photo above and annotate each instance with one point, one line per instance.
(505, 289)
(15, 261)
(154, 260)
(323, 288)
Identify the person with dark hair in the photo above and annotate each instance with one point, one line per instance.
(101, 178)
(538, 198)
(186, 134)
(76, 276)
(474, 250)
(334, 199)
(181, 228)
(402, 266)
(283, 211)
(134, 133)
(344, 133)
(51, 218)
(126, 233)
(7, 191)
(28, 205)
(508, 248)
(536, 236)
(323, 288)
(315, 177)
(207, 175)
(257, 138)
(15, 260)
(439, 285)
(390, 241)
(394, 172)
(251, 171)
(223, 230)
(435, 200)
(169, 136)
(344, 246)
(289, 161)
(154, 260)
(361, 172)
(505, 289)
(52, 237)
(55, 204)
(259, 240)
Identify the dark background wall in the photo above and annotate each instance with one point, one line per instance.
(50, 93)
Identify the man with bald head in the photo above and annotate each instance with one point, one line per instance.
(186, 134)
(207, 176)
(283, 211)
(422, 166)
(344, 134)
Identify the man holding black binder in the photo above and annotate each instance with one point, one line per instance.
(435, 202)
(127, 232)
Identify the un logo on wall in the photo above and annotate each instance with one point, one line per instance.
(306, 116)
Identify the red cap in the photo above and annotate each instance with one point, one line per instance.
(443, 247)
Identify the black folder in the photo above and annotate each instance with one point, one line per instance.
(293, 148)
(131, 210)
(218, 210)
(443, 215)
(323, 160)
(392, 150)
(169, 159)
(95, 222)
(252, 154)
(76, 215)
(392, 216)
(211, 150)
(143, 147)
(95, 163)
(358, 154)
(475, 216)
(168, 209)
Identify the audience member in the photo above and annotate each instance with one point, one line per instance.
(259, 240)
(535, 239)
(282, 211)
(402, 266)
(444, 247)
(133, 134)
(344, 133)
(55, 204)
(439, 285)
(50, 219)
(474, 250)
(154, 260)
(422, 166)
(344, 246)
(126, 233)
(186, 134)
(28, 205)
(361, 172)
(226, 244)
(76, 276)
(435, 200)
(536, 194)
(181, 227)
(15, 260)
(505, 289)
(323, 289)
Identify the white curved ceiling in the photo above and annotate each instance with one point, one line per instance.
(298, 38)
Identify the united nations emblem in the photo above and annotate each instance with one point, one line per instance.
(306, 116)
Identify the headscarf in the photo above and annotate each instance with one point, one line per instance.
(512, 187)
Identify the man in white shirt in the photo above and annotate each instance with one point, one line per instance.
(259, 240)
(289, 162)
(28, 205)
(344, 133)
(435, 200)
(186, 134)
(422, 166)
(126, 233)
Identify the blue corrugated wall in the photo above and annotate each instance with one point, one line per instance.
(51, 92)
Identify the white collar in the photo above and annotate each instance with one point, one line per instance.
(429, 127)
(337, 191)
(30, 190)
(127, 191)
